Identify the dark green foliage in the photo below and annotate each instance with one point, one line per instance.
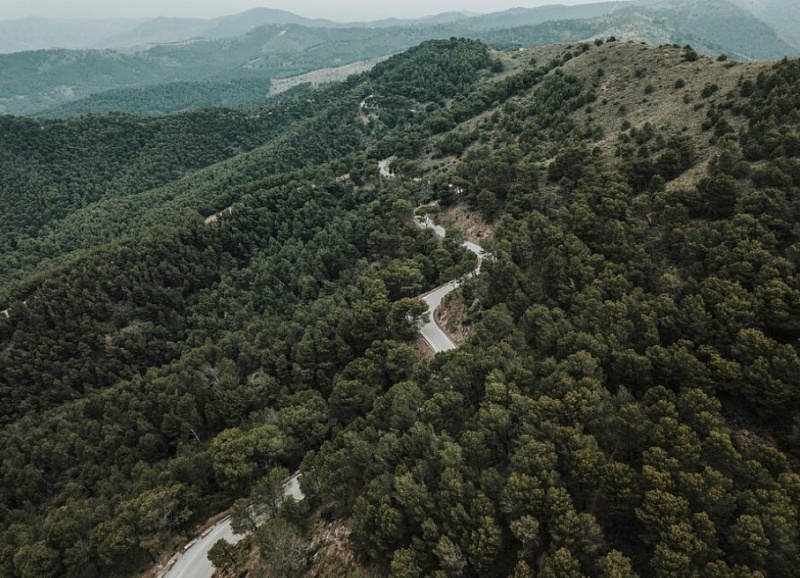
(689, 54)
(146, 376)
(654, 157)
(708, 90)
(625, 404)
(434, 70)
(773, 113)
(53, 168)
(123, 174)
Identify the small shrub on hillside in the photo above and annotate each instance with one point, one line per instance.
(709, 89)
(689, 54)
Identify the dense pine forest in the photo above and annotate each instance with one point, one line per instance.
(195, 305)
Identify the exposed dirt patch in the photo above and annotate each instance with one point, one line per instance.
(323, 75)
(331, 553)
(214, 218)
(451, 316)
(468, 222)
(422, 348)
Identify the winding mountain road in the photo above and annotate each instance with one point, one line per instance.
(431, 332)
(193, 562)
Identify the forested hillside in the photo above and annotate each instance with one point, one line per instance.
(627, 403)
(196, 305)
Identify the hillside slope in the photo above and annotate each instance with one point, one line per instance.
(780, 14)
(717, 26)
(625, 406)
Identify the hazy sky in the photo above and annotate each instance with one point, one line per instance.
(340, 10)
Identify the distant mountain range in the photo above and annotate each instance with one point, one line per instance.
(153, 66)
(781, 15)
(43, 33)
(716, 26)
(40, 33)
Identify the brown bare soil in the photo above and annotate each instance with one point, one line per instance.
(214, 218)
(451, 317)
(422, 348)
(332, 554)
(468, 222)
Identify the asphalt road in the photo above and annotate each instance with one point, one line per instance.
(431, 332)
(436, 338)
(193, 561)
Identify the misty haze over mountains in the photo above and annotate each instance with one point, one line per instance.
(165, 65)
(41, 33)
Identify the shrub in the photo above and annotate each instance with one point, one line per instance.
(708, 90)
